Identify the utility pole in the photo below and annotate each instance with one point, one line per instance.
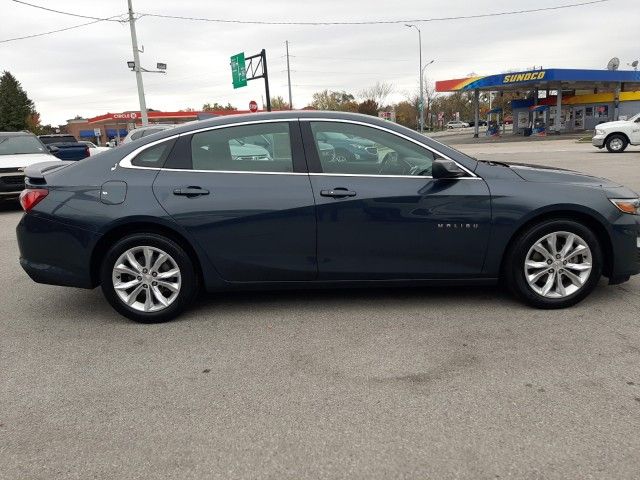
(289, 75)
(420, 71)
(136, 59)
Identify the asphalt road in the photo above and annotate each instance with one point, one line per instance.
(372, 384)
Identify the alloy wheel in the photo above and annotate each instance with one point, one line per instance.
(616, 143)
(147, 279)
(558, 265)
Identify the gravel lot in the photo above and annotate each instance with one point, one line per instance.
(409, 383)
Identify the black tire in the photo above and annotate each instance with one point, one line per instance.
(616, 143)
(514, 272)
(188, 276)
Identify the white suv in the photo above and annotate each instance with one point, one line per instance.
(617, 135)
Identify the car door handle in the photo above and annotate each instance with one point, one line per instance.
(191, 191)
(338, 193)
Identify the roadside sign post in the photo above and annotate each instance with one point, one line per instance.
(96, 133)
(242, 72)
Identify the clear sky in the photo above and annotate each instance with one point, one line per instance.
(83, 71)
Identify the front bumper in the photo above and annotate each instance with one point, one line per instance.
(598, 141)
(55, 253)
(11, 183)
(625, 240)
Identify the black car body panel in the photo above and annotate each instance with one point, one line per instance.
(272, 229)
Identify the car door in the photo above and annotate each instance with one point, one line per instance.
(387, 218)
(251, 211)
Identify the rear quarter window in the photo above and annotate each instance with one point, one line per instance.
(155, 156)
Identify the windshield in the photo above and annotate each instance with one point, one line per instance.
(635, 118)
(20, 145)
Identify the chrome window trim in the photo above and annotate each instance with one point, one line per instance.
(127, 159)
(432, 150)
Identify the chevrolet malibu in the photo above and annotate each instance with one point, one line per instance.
(155, 221)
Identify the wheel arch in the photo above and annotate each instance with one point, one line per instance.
(116, 232)
(589, 219)
(622, 134)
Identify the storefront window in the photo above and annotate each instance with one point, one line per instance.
(602, 111)
(589, 112)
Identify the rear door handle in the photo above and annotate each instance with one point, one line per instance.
(190, 191)
(338, 192)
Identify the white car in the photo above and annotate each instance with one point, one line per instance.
(140, 132)
(457, 124)
(616, 136)
(93, 148)
(19, 150)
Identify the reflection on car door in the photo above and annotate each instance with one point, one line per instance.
(388, 224)
(252, 213)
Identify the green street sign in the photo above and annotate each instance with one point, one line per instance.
(238, 72)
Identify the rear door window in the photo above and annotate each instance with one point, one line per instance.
(263, 147)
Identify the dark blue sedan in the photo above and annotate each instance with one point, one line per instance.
(155, 221)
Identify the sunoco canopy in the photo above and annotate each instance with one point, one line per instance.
(550, 78)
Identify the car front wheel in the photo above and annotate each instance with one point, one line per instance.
(616, 143)
(148, 278)
(554, 264)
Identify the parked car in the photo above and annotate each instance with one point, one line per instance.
(65, 147)
(93, 148)
(457, 124)
(481, 123)
(140, 132)
(18, 150)
(349, 148)
(616, 136)
(154, 221)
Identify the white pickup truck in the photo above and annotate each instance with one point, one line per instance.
(617, 135)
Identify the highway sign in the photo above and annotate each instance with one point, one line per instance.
(238, 72)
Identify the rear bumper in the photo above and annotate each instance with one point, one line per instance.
(55, 253)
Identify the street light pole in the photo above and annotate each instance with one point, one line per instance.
(420, 71)
(137, 68)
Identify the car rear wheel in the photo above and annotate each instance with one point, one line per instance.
(148, 278)
(554, 264)
(616, 143)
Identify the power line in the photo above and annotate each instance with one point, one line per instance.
(71, 14)
(52, 31)
(373, 22)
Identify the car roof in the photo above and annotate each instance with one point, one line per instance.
(16, 134)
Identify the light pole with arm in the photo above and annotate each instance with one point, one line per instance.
(424, 86)
(420, 70)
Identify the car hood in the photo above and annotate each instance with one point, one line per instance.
(25, 159)
(537, 173)
(616, 124)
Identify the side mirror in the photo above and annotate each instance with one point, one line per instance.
(442, 168)
(53, 149)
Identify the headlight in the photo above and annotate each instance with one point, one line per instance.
(627, 205)
(599, 132)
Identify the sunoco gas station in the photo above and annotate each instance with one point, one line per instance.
(557, 100)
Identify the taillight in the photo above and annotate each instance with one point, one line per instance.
(86, 152)
(30, 197)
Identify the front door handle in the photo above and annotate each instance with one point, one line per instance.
(190, 191)
(338, 192)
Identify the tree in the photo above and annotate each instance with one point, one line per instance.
(369, 107)
(407, 114)
(15, 105)
(278, 103)
(207, 107)
(378, 92)
(334, 100)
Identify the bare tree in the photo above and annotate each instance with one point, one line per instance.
(378, 92)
